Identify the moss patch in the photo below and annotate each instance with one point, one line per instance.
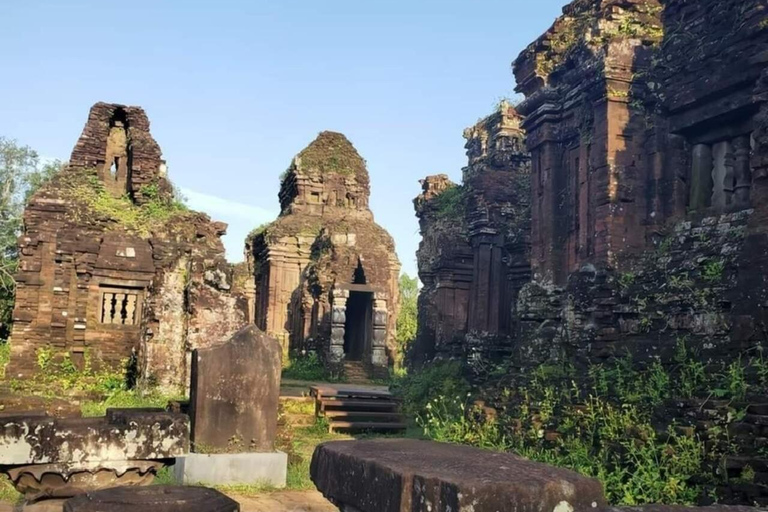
(331, 153)
(450, 204)
(97, 204)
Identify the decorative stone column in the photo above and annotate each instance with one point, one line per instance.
(741, 171)
(338, 319)
(379, 343)
(701, 177)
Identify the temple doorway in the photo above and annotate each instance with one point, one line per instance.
(359, 325)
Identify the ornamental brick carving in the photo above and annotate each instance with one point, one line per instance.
(94, 285)
(325, 274)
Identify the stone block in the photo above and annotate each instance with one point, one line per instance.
(407, 475)
(232, 469)
(157, 498)
(234, 394)
(138, 435)
(680, 508)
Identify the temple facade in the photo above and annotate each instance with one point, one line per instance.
(324, 273)
(113, 271)
(475, 252)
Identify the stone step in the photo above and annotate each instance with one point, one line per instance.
(365, 425)
(366, 404)
(329, 392)
(395, 416)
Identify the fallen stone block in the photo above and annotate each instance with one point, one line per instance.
(681, 508)
(157, 498)
(407, 475)
(120, 436)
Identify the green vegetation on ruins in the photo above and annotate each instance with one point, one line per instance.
(450, 203)
(307, 367)
(96, 388)
(85, 188)
(610, 424)
(331, 152)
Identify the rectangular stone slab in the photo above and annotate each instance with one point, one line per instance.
(122, 435)
(232, 469)
(234, 394)
(408, 475)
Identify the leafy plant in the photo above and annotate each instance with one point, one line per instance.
(306, 367)
(626, 280)
(735, 380)
(712, 272)
(419, 388)
(407, 317)
(454, 421)
(449, 204)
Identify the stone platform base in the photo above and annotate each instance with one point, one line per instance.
(232, 469)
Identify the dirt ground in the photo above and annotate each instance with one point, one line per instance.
(286, 501)
(278, 501)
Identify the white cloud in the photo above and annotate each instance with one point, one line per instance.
(242, 218)
(221, 209)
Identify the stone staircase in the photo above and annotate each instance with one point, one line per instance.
(351, 408)
(355, 372)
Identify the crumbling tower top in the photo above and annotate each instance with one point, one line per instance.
(328, 174)
(116, 143)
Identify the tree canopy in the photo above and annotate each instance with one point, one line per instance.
(21, 174)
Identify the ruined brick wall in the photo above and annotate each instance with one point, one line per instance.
(585, 134)
(445, 262)
(111, 284)
(647, 126)
(691, 162)
(323, 246)
(497, 182)
(684, 247)
(474, 254)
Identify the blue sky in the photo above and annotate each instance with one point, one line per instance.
(234, 89)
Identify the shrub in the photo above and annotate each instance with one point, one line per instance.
(449, 204)
(306, 367)
(603, 426)
(85, 188)
(439, 379)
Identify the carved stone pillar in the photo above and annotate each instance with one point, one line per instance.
(379, 342)
(729, 179)
(338, 319)
(741, 170)
(701, 177)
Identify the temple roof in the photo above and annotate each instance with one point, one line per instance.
(330, 153)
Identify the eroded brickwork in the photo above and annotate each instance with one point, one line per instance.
(107, 286)
(474, 254)
(647, 127)
(325, 273)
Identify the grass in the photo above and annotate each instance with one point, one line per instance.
(300, 443)
(126, 398)
(5, 357)
(86, 189)
(7, 493)
(308, 368)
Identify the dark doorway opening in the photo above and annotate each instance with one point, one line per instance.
(358, 327)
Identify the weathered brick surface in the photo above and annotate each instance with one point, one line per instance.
(324, 246)
(647, 127)
(475, 249)
(71, 255)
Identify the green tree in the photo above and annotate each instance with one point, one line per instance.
(21, 174)
(408, 315)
